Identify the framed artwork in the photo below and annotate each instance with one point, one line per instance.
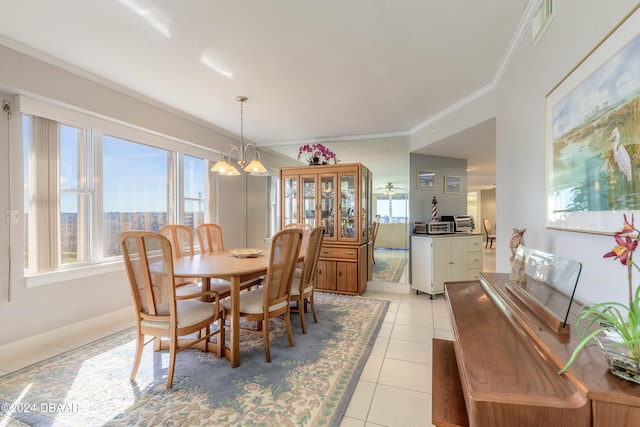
(452, 184)
(592, 136)
(426, 180)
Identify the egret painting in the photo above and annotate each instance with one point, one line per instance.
(593, 136)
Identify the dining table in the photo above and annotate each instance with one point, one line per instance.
(236, 269)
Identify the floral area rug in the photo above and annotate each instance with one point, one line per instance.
(307, 385)
(389, 266)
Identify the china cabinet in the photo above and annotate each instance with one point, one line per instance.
(337, 197)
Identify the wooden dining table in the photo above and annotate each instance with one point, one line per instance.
(237, 270)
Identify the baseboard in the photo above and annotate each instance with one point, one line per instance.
(95, 328)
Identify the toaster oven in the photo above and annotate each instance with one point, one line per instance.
(439, 227)
(420, 227)
(464, 223)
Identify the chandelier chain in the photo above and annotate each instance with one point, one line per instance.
(241, 123)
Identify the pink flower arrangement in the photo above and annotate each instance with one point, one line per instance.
(318, 154)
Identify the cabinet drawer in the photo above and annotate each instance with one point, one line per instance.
(474, 260)
(340, 253)
(474, 274)
(474, 244)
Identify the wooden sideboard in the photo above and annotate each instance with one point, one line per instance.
(501, 369)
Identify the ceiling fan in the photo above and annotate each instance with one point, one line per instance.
(389, 189)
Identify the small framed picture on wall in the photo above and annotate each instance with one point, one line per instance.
(452, 185)
(426, 180)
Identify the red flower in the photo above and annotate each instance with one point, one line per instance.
(627, 227)
(624, 249)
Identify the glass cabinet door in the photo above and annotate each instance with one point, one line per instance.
(365, 220)
(290, 200)
(309, 200)
(348, 206)
(327, 205)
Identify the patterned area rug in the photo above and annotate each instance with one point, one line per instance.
(307, 385)
(389, 266)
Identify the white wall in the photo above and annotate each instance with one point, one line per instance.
(420, 201)
(32, 311)
(578, 26)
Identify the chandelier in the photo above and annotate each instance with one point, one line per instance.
(254, 167)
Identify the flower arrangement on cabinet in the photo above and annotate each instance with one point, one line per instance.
(614, 326)
(318, 154)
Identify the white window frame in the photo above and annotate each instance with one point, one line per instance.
(100, 125)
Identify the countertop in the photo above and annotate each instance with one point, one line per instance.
(459, 233)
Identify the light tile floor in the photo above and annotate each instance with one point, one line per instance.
(395, 387)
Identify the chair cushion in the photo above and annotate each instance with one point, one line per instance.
(192, 288)
(190, 312)
(251, 302)
(295, 287)
(223, 287)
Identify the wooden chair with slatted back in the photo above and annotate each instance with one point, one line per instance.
(302, 287)
(272, 299)
(160, 313)
(210, 239)
(306, 230)
(181, 238)
(375, 225)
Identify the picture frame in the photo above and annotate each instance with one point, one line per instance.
(426, 180)
(592, 136)
(452, 184)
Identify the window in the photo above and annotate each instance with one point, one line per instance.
(193, 191)
(392, 208)
(83, 187)
(274, 205)
(25, 155)
(135, 191)
(76, 195)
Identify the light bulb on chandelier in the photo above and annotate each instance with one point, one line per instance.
(254, 167)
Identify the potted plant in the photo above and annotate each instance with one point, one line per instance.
(614, 326)
(318, 154)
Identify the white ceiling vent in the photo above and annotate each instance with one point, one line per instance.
(542, 19)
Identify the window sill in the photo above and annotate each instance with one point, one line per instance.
(60, 276)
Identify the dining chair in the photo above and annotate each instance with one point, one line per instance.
(160, 313)
(210, 239)
(272, 298)
(375, 225)
(302, 286)
(306, 229)
(491, 237)
(181, 238)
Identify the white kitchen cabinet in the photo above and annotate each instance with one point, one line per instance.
(436, 259)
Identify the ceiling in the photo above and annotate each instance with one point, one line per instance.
(313, 70)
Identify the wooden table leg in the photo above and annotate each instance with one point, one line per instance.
(206, 285)
(234, 354)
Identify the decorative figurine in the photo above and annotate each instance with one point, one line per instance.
(434, 209)
(516, 240)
